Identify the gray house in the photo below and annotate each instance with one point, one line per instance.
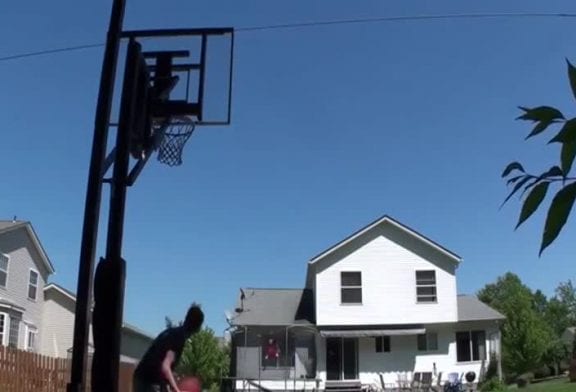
(36, 315)
(24, 271)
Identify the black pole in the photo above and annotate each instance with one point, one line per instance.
(93, 199)
(111, 271)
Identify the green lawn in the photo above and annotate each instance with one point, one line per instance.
(561, 385)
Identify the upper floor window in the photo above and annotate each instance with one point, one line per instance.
(470, 346)
(351, 287)
(426, 286)
(33, 285)
(3, 270)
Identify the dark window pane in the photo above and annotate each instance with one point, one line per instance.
(33, 277)
(351, 296)
(3, 263)
(14, 332)
(426, 291)
(478, 345)
(426, 277)
(422, 342)
(432, 341)
(3, 278)
(378, 344)
(386, 341)
(427, 298)
(463, 353)
(351, 279)
(32, 292)
(350, 359)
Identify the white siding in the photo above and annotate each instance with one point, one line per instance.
(58, 325)
(388, 282)
(23, 256)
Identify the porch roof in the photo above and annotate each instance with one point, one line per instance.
(470, 308)
(275, 307)
(367, 333)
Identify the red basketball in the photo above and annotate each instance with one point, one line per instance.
(190, 384)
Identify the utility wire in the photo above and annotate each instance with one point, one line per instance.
(328, 23)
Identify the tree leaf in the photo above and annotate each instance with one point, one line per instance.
(514, 179)
(553, 172)
(567, 133)
(539, 128)
(567, 156)
(572, 77)
(512, 166)
(540, 113)
(533, 201)
(516, 187)
(558, 214)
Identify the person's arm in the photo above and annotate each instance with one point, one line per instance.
(167, 370)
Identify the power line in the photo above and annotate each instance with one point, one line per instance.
(329, 23)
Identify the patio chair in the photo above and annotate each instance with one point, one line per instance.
(383, 386)
(438, 386)
(403, 383)
(425, 382)
(453, 384)
(415, 384)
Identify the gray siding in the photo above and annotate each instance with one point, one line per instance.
(23, 256)
(134, 345)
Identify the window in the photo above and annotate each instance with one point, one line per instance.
(470, 346)
(351, 291)
(14, 332)
(31, 336)
(3, 328)
(426, 286)
(3, 270)
(33, 285)
(428, 342)
(383, 344)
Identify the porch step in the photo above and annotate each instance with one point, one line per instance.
(343, 386)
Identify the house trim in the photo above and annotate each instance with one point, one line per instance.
(35, 299)
(32, 234)
(453, 256)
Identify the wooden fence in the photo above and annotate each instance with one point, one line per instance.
(22, 371)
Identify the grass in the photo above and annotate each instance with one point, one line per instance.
(560, 385)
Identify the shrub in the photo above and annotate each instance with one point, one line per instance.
(525, 379)
(493, 385)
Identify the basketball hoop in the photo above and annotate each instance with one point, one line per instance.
(176, 134)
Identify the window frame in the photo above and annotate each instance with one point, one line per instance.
(5, 332)
(482, 355)
(426, 285)
(350, 287)
(7, 269)
(427, 339)
(30, 285)
(383, 344)
(31, 330)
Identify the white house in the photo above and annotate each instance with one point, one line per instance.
(382, 302)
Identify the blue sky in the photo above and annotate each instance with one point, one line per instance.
(332, 127)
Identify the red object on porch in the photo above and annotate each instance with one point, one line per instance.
(272, 350)
(190, 384)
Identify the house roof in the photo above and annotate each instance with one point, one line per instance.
(6, 226)
(275, 307)
(69, 294)
(470, 308)
(395, 223)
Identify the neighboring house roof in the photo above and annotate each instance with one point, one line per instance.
(275, 307)
(127, 327)
(471, 308)
(6, 226)
(395, 223)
